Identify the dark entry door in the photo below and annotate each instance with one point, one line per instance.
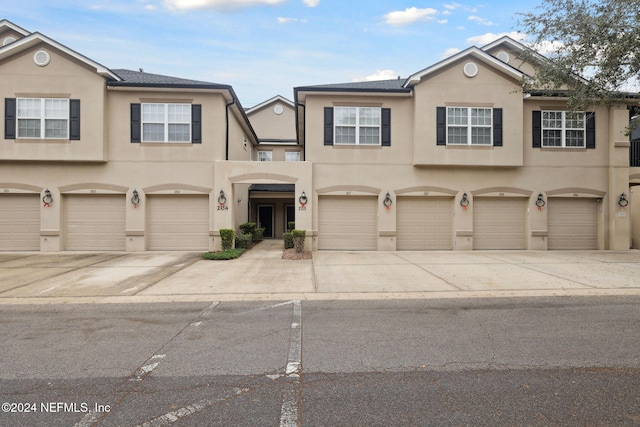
(291, 216)
(265, 219)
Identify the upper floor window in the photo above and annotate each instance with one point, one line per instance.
(469, 126)
(563, 129)
(42, 118)
(264, 156)
(292, 156)
(166, 122)
(357, 125)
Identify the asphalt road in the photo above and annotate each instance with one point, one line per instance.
(569, 361)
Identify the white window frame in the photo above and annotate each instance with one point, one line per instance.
(358, 126)
(265, 156)
(564, 129)
(292, 156)
(165, 122)
(468, 126)
(42, 116)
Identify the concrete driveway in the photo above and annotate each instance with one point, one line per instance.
(262, 274)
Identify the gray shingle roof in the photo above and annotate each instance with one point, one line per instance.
(395, 85)
(144, 79)
(279, 188)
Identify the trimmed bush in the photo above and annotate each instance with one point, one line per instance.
(226, 234)
(224, 255)
(298, 240)
(248, 228)
(243, 241)
(258, 234)
(288, 240)
(291, 225)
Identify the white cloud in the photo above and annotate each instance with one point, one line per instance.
(491, 37)
(287, 20)
(443, 21)
(409, 16)
(216, 4)
(378, 75)
(547, 47)
(481, 21)
(450, 52)
(311, 3)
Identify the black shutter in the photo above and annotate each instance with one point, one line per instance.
(328, 125)
(74, 119)
(196, 124)
(9, 118)
(386, 127)
(136, 123)
(536, 129)
(591, 130)
(441, 125)
(497, 127)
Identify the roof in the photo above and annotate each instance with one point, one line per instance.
(277, 98)
(273, 188)
(144, 79)
(395, 85)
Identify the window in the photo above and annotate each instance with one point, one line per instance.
(264, 156)
(43, 118)
(357, 125)
(166, 122)
(469, 126)
(563, 129)
(292, 156)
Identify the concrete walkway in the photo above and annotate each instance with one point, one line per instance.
(262, 274)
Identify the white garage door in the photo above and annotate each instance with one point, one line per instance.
(19, 222)
(347, 223)
(424, 223)
(95, 222)
(572, 223)
(499, 223)
(178, 223)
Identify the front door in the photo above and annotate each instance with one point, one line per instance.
(265, 219)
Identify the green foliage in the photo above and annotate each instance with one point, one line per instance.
(224, 255)
(243, 241)
(291, 225)
(258, 234)
(288, 240)
(227, 234)
(248, 228)
(298, 240)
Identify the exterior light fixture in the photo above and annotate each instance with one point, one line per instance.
(540, 202)
(387, 202)
(222, 200)
(135, 199)
(464, 202)
(303, 199)
(623, 202)
(47, 199)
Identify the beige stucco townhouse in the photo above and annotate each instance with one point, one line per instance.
(454, 157)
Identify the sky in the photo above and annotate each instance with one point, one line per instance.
(265, 48)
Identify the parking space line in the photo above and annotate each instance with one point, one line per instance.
(289, 409)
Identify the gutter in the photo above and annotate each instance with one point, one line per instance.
(226, 113)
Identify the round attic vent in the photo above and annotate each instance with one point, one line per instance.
(8, 40)
(41, 58)
(503, 56)
(278, 109)
(470, 69)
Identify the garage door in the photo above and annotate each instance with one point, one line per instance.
(348, 223)
(178, 223)
(20, 222)
(424, 224)
(95, 222)
(572, 223)
(499, 223)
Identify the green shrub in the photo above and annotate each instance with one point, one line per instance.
(291, 225)
(248, 228)
(288, 240)
(226, 234)
(258, 234)
(243, 241)
(224, 255)
(298, 240)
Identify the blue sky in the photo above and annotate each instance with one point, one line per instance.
(265, 48)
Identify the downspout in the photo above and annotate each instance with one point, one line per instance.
(226, 111)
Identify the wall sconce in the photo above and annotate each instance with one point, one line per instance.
(387, 202)
(464, 202)
(135, 199)
(540, 202)
(222, 200)
(623, 202)
(303, 199)
(47, 199)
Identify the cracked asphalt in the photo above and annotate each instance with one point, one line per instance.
(569, 361)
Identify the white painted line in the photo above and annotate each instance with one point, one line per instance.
(146, 369)
(158, 356)
(289, 409)
(269, 307)
(196, 324)
(209, 309)
(89, 419)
